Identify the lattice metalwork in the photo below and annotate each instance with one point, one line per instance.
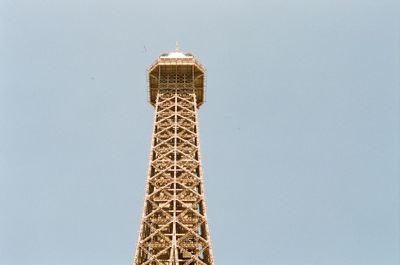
(174, 229)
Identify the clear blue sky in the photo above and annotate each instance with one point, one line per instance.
(299, 134)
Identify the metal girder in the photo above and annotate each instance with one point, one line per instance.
(174, 228)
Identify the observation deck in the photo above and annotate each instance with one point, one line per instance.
(176, 70)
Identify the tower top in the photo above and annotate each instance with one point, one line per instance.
(177, 53)
(176, 70)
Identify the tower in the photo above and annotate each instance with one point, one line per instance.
(174, 228)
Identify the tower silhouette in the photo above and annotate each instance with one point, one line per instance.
(174, 228)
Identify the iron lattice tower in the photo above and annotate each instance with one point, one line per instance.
(174, 229)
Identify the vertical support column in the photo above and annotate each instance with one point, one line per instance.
(174, 228)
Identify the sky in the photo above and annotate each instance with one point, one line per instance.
(299, 132)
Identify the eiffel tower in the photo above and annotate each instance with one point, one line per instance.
(174, 228)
